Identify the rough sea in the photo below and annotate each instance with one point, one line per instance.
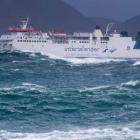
(52, 98)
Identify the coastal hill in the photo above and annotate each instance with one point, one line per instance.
(55, 15)
(132, 25)
(47, 14)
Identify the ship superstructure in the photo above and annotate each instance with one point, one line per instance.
(78, 44)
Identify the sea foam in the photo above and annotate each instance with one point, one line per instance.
(89, 134)
(78, 61)
(137, 63)
(94, 88)
(131, 83)
(25, 86)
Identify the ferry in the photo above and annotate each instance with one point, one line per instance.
(93, 44)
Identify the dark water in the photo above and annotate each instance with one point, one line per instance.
(46, 98)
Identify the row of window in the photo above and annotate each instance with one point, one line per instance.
(6, 45)
(80, 41)
(34, 38)
(5, 41)
(47, 41)
(83, 41)
(88, 42)
(43, 41)
(104, 42)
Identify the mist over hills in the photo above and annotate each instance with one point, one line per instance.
(54, 15)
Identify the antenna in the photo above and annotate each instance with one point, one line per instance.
(108, 28)
(25, 23)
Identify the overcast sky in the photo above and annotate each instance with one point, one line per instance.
(114, 9)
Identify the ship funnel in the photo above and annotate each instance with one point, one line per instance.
(97, 32)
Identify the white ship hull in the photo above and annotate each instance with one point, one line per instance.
(77, 51)
(66, 51)
(83, 45)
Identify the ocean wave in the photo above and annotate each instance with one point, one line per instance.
(15, 70)
(15, 61)
(74, 61)
(94, 88)
(137, 63)
(122, 86)
(91, 60)
(131, 83)
(25, 86)
(89, 134)
(33, 54)
(43, 59)
(77, 61)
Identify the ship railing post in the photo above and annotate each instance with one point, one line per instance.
(91, 40)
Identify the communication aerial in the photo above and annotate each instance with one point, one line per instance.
(108, 28)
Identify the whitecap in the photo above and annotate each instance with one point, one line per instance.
(85, 60)
(14, 61)
(136, 63)
(33, 54)
(107, 74)
(92, 60)
(32, 86)
(15, 70)
(43, 59)
(94, 88)
(131, 83)
(26, 86)
(88, 134)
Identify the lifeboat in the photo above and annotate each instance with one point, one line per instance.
(59, 34)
